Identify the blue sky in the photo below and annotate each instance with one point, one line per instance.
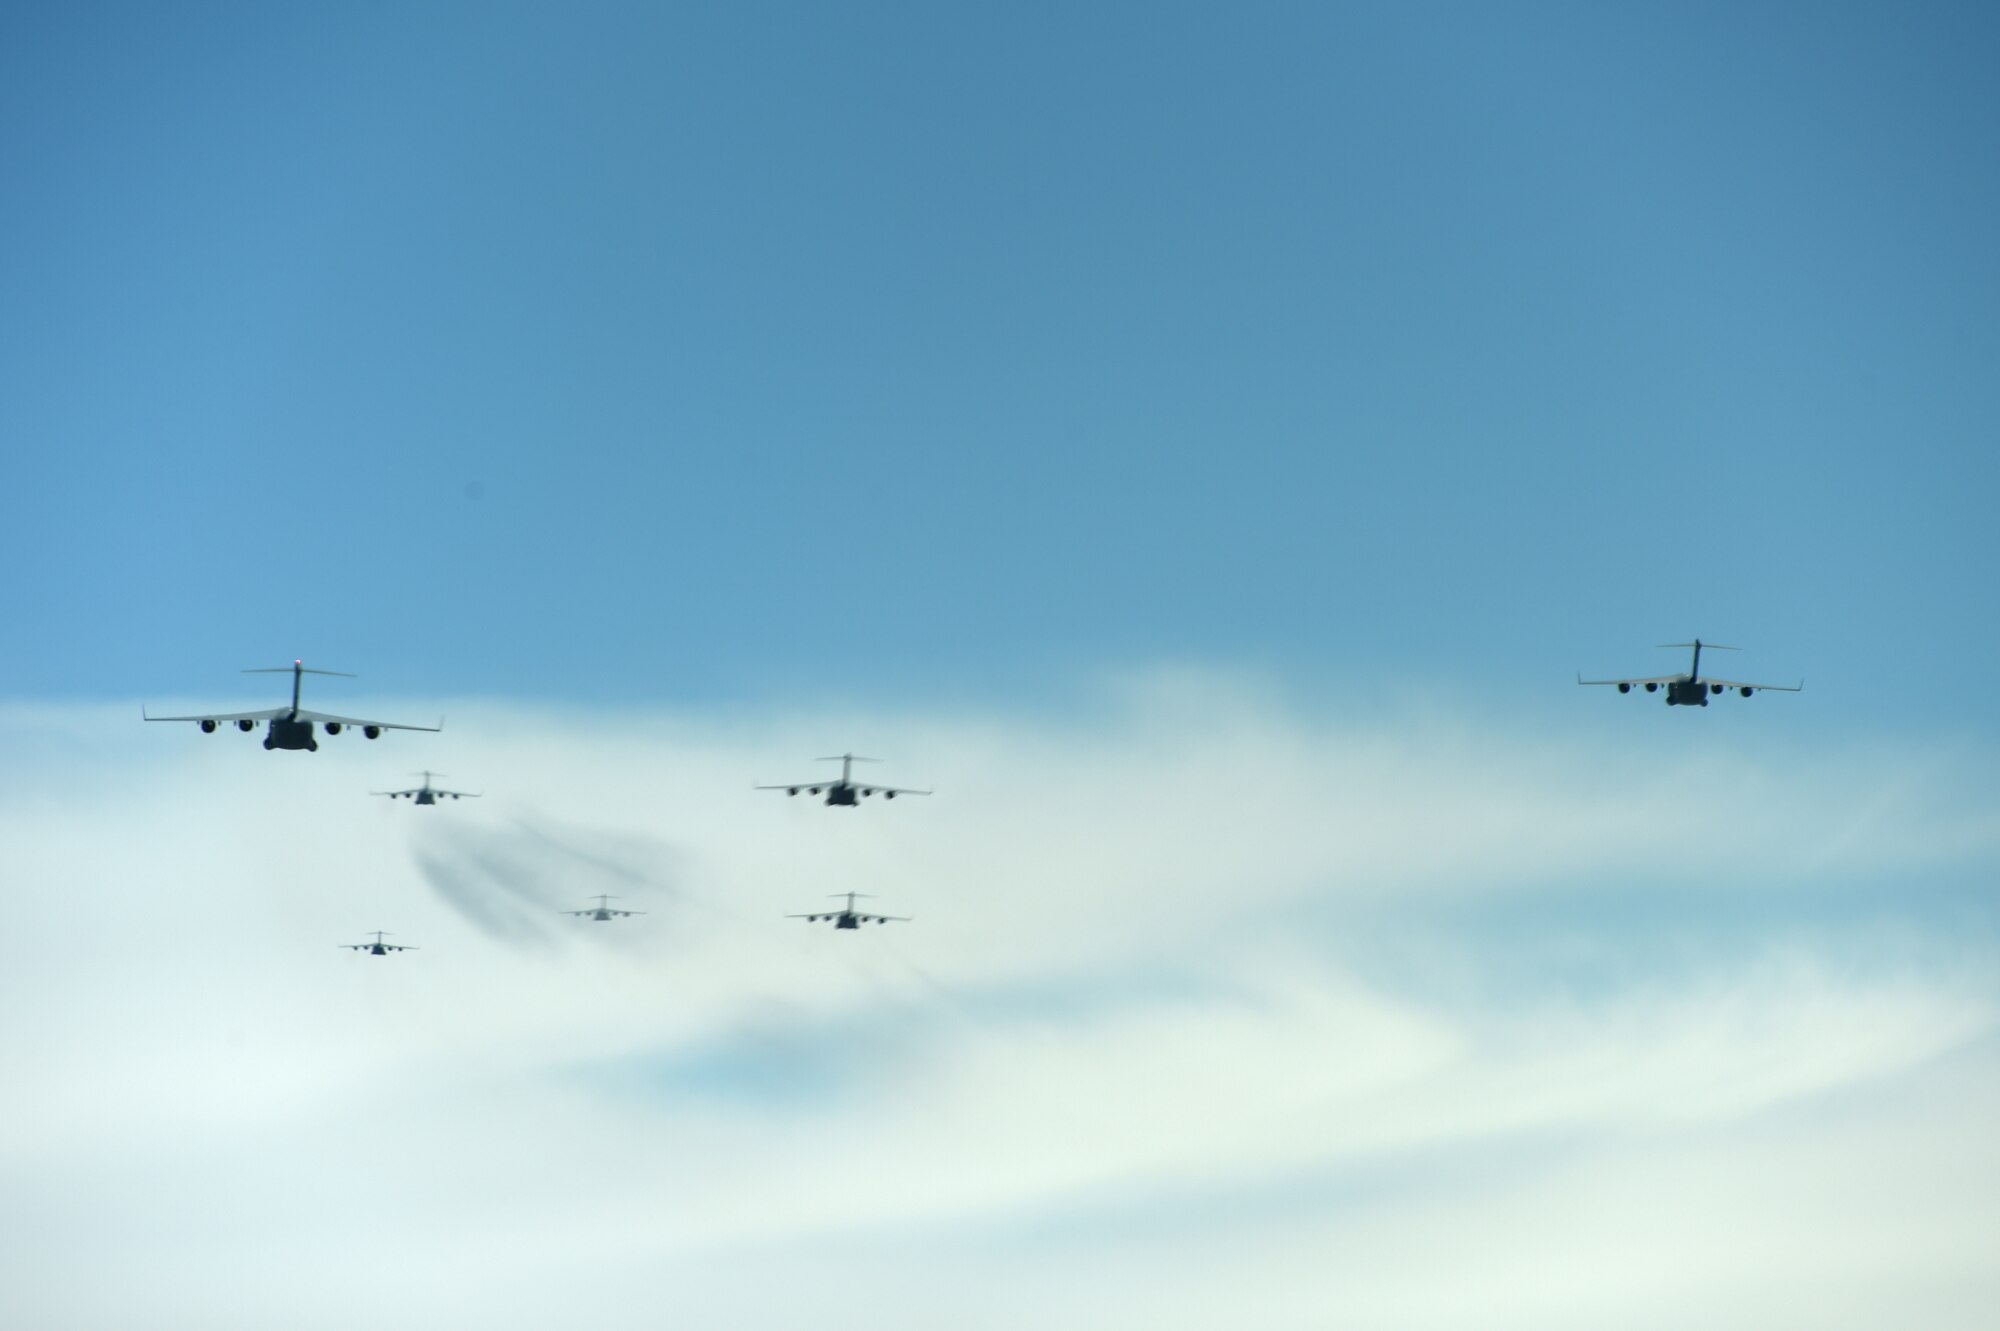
(1200, 441)
(622, 353)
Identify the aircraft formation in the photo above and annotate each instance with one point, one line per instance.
(294, 728)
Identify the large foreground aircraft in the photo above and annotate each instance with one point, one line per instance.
(1693, 689)
(844, 791)
(291, 727)
(849, 918)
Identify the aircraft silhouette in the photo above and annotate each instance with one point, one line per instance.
(844, 792)
(291, 727)
(848, 918)
(1692, 689)
(378, 948)
(603, 910)
(426, 793)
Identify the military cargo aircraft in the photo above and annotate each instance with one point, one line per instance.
(1693, 688)
(291, 727)
(378, 948)
(848, 918)
(426, 793)
(603, 910)
(845, 791)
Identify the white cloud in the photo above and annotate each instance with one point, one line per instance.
(1198, 983)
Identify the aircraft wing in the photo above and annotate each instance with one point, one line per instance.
(455, 794)
(889, 790)
(393, 794)
(1630, 683)
(820, 783)
(1739, 684)
(882, 919)
(223, 716)
(323, 718)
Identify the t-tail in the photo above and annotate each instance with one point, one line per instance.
(1694, 669)
(297, 670)
(847, 761)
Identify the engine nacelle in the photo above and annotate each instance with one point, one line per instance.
(1716, 689)
(333, 727)
(373, 732)
(1746, 692)
(1652, 688)
(246, 726)
(208, 727)
(792, 791)
(1624, 688)
(813, 791)
(888, 794)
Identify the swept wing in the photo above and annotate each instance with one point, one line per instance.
(324, 717)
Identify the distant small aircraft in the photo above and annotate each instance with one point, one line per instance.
(1692, 689)
(291, 727)
(426, 793)
(378, 948)
(603, 910)
(844, 791)
(849, 918)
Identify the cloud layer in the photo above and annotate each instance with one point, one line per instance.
(1215, 1008)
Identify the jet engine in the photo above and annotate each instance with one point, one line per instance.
(792, 790)
(1746, 692)
(333, 727)
(373, 732)
(1624, 688)
(888, 794)
(208, 727)
(246, 726)
(1652, 688)
(1715, 689)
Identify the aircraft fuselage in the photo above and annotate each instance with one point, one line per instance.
(1687, 693)
(426, 797)
(287, 733)
(847, 920)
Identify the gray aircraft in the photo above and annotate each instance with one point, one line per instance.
(426, 793)
(291, 727)
(378, 948)
(849, 918)
(603, 910)
(844, 791)
(1693, 688)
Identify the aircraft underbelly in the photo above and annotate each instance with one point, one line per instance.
(1687, 694)
(291, 735)
(841, 797)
